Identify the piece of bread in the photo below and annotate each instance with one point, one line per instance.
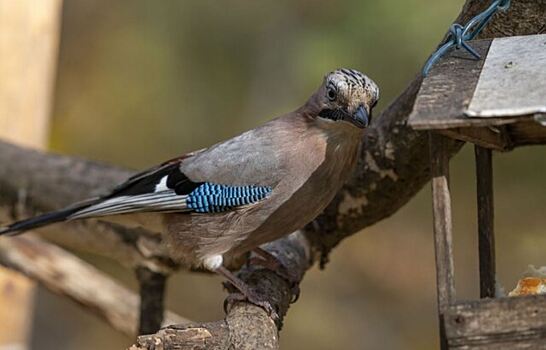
(533, 283)
(529, 286)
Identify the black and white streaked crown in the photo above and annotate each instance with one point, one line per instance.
(353, 80)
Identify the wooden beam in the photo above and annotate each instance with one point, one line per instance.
(486, 232)
(152, 294)
(528, 131)
(29, 37)
(441, 204)
(504, 323)
(493, 137)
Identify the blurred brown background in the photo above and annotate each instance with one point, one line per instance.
(141, 81)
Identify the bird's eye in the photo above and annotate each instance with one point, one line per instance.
(331, 93)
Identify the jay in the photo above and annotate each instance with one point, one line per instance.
(224, 201)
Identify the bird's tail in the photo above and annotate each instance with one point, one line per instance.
(43, 220)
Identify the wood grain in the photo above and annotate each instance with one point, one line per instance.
(505, 323)
(441, 211)
(492, 137)
(441, 206)
(527, 132)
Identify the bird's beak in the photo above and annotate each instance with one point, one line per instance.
(361, 118)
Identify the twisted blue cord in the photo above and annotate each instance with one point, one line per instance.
(458, 35)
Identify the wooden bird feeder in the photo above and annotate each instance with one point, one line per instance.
(497, 103)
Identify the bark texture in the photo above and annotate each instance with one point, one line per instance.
(246, 326)
(393, 167)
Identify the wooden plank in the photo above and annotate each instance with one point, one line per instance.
(527, 132)
(512, 80)
(493, 137)
(516, 344)
(441, 204)
(486, 232)
(523, 132)
(441, 201)
(29, 37)
(505, 323)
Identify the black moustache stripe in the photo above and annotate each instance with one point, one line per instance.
(333, 114)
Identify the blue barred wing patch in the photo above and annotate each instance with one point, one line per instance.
(214, 198)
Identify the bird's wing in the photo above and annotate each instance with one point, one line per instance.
(167, 189)
(164, 188)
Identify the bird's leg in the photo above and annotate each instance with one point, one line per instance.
(270, 261)
(246, 293)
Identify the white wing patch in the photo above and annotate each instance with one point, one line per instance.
(162, 185)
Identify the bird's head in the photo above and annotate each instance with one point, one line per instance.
(346, 96)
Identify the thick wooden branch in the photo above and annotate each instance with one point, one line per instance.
(246, 326)
(69, 276)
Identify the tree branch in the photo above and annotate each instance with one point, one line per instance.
(67, 275)
(246, 326)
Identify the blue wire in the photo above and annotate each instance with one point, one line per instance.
(459, 35)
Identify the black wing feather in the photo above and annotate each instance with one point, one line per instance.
(145, 182)
(140, 184)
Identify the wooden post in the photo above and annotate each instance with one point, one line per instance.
(152, 295)
(441, 205)
(16, 303)
(29, 36)
(486, 233)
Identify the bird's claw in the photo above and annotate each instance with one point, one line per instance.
(254, 298)
(295, 290)
(280, 270)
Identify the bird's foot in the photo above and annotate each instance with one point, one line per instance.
(245, 293)
(270, 262)
(252, 297)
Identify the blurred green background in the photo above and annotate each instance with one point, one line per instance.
(141, 81)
